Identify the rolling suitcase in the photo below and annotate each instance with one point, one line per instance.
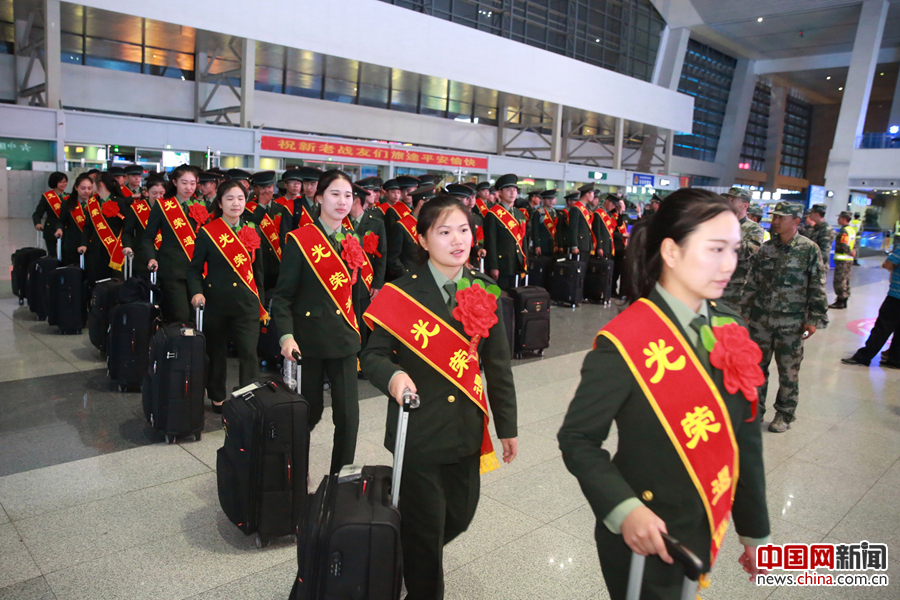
(38, 286)
(261, 467)
(693, 569)
(175, 383)
(348, 544)
(65, 299)
(539, 269)
(104, 298)
(131, 327)
(18, 271)
(567, 282)
(509, 319)
(531, 308)
(598, 280)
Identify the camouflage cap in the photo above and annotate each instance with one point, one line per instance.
(755, 210)
(736, 192)
(845, 214)
(788, 209)
(819, 208)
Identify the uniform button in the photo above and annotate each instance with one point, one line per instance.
(307, 313)
(472, 272)
(451, 398)
(415, 276)
(499, 256)
(647, 496)
(713, 304)
(234, 285)
(337, 312)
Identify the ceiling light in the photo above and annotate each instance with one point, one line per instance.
(882, 74)
(759, 20)
(840, 89)
(829, 77)
(597, 40)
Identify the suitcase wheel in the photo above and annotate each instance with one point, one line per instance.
(260, 543)
(170, 440)
(123, 387)
(540, 352)
(197, 436)
(21, 301)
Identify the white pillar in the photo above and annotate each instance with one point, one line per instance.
(670, 57)
(775, 137)
(502, 114)
(556, 143)
(855, 103)
(248, 82)
(619, 142)
(731, 139)
(61, 140)
(52, 54)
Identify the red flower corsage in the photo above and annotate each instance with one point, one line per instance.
(199, 214)
(249, 238)
(476, 309)
(738, 357)
(353, 254)
(370, 244)
(110, 208)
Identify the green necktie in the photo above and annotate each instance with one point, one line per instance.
(702, 353)
(450, 288)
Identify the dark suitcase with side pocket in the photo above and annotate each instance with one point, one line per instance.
(531, 306)
(539, 269)
(175, 384)
(131, 327)
(262, 465)
(38, 287)
(567, 282)
(20, 261)
(66, 300)
(598, 280)
(104, 298)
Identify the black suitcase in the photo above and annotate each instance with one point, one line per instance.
(20, 261)
(348, 543)
(539, 269)
(261, 468)
(509, 319)
(567, 282)
(175, 383)
(38, 286)
(268, 348)
(598, 280)
(531, 307)
(131, 327)
(104, 298)
(66, 300)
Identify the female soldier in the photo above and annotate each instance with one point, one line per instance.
(51, 205)
(73, 217)
(684, 403)
(229, 248)
(101, 240)
(313, 308)
(136, 222)
(419, 344)
(178, 218)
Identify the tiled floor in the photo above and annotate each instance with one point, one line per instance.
(94, 506)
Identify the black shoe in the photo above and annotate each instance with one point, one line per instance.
(854, 361)
(839, 303)
(217, 408)
(779, 424)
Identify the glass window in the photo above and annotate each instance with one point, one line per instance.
(108, 54)
(302, 84)
(7, 37)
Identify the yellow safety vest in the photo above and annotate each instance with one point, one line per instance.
(766, 235)
(897, 228)
(848, 238)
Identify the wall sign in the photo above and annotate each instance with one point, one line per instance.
(643, 180)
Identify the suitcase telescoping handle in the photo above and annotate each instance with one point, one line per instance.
(693, 569)
(152, 282)
(81, 261)
(38, 239)
(298, 374)
(126, 274)
(410, 402)
(199, 317)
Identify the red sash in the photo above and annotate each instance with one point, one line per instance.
(401, 209)
(78, 216)
(126, 192)
(482, 207)
(550, 224)
(267, 226)
(589, 218)
(142, 209)
(237, 256)
(688, 404)
(305, 218)
(178, 221)
(525, 213)
(112, 243)
(610, 226)
(623, 229)
(409, 225)
(383, 207)
(440, 345)
(512, 226)
(366, 271)
(330, 270)
(54, 202)
(288, 204)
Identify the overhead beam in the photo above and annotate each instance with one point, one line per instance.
(819, 61)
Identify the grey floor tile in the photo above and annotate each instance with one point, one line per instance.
(494, 526)
(61, 486)
(545, 563)
(4, 518)
(31, 589)
(205, 450)
(547, 428)
(533, 450)
(545, 492)
(866, 452)
(64, 538)
(176, 567)
(874, 518)
(579, 523)
(16, 564)
(272, 583)
(892, 476)
(780, 447)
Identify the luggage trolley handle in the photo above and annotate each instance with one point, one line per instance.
(59, 251)
(129, 267)
(297, 373)
(199, 317)
(410, 402)
(152, 282)
(693, 569)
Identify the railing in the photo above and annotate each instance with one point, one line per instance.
(878, 140)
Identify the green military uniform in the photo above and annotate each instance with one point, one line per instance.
(539, 234)
(232, 310)
(283, 220)
(823, 236)
(71, 239)
(175, 299)
(132, 235)
(579, 230)
(96, 259)
(403, 250)
(843, 262)
(503, 251)
(751, 241)
(370, 221)
(646, 467)
(601, 233)
(304, 174)
(303, 309)
(562, 230)
(785, 290)
(440, 480)
(52, 223)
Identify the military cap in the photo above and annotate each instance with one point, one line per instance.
(425, 193)
(206, 177)
(407, 181)
(788, 209)
(845, 214)
(612, 198)
(819, 208)
(310, 173)
(573, 196)
(263, 178)
(484, 185)
(426, 180)
(741, 193)
(371, 183)
(533, 193)
(360, 192)
(292, 175)
(655, 198)
(116, 171)
(237, 175)
(471, 187)
(755, 209)
(586, 188)
(390, 184)
(459, 190)
(508, 180)
(549, 194)
(134, 170)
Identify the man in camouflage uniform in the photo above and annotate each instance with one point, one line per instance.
(844, 257)
(785, 298)
(823, 235)
(755, 214)
(751, 240)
